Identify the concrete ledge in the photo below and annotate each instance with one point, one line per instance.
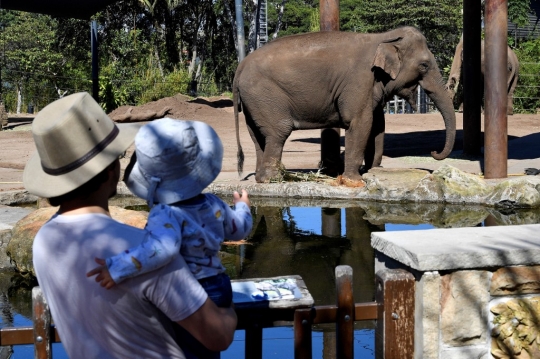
(461, 248)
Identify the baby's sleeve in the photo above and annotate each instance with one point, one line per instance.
(162, 242)
(238, 221)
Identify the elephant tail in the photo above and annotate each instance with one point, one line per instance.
(237, 103)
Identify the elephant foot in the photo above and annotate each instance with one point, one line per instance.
(268, 175)
(352, 176)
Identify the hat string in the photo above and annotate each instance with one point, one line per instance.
(154, 182)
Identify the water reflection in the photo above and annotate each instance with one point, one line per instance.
(281, 245)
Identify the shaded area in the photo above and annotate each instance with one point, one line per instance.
(421, 143)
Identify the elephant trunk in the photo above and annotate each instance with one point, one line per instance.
(438, 94)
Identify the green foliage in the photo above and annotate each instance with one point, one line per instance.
(297, 17)
(144, 46)
(527, 94)
(315, 20)
(518, 12)
(154, 87)
(110, 96)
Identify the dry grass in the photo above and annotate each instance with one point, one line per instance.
(289, 176)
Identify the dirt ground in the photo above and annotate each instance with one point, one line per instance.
(406, 135)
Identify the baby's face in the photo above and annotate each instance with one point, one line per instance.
(129, 167)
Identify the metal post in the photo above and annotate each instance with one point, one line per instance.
(240, 30)
(330, 137)
(496, 119)
(472, 77)
(95, 60)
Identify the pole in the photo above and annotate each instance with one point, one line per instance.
(95, 60)
(330, 137)
(472, 78)
(496, 119)
(240, 30)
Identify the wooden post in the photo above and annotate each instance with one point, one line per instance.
(345, 313)
(394, 336)
(330, 137)
(302, 334)
(254, 339)
(496, 118)
(41, 318)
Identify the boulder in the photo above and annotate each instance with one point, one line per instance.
(19, 248)
(461, 187)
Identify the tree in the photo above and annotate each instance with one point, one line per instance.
(30, 51)
(439, 20)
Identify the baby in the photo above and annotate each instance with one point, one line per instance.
(174, 161)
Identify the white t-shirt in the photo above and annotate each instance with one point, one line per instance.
(132, 320)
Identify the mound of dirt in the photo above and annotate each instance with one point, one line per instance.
(179, 106)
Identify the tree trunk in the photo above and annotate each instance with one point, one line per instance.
(280, 19)
(19, 97)
(254, 26)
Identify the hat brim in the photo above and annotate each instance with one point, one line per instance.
(176, 190)
(37, 182)
(175, 184)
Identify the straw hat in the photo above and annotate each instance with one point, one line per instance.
(75, 141)
(176, 160)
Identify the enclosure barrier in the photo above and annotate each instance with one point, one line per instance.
(393, 310)
(477, 292)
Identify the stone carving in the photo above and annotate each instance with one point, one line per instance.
(515, 331)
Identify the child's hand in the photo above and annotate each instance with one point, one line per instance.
(244, 198)
(103, 275)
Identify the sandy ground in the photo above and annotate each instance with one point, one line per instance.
(407, 136)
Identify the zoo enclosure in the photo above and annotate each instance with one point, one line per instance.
(393, 310)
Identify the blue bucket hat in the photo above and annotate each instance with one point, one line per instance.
(176, 160)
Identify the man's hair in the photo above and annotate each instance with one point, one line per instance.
(84, 190)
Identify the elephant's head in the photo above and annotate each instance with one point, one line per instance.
(402, 62)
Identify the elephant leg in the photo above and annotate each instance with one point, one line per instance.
(356, 141)
(258, 141)
(511, 88)
(375, 146)
(271, 158)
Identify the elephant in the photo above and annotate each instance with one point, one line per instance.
(455, 74)
(333, 79)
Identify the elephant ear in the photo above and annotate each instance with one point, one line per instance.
(387, 58)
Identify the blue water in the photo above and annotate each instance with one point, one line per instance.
(277, 342)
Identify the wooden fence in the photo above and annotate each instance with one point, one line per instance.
(393, 310)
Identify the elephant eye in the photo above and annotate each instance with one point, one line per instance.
(423, 66)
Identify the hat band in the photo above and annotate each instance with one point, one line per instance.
(87, 157)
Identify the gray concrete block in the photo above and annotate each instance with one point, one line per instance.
(461, 248)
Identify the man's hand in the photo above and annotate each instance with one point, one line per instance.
(103, 275)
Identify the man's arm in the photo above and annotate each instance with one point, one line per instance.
(209, 318)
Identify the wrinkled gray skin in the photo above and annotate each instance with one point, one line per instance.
(334, 79)
(511, 80)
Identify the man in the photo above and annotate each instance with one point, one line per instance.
(77, 168)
